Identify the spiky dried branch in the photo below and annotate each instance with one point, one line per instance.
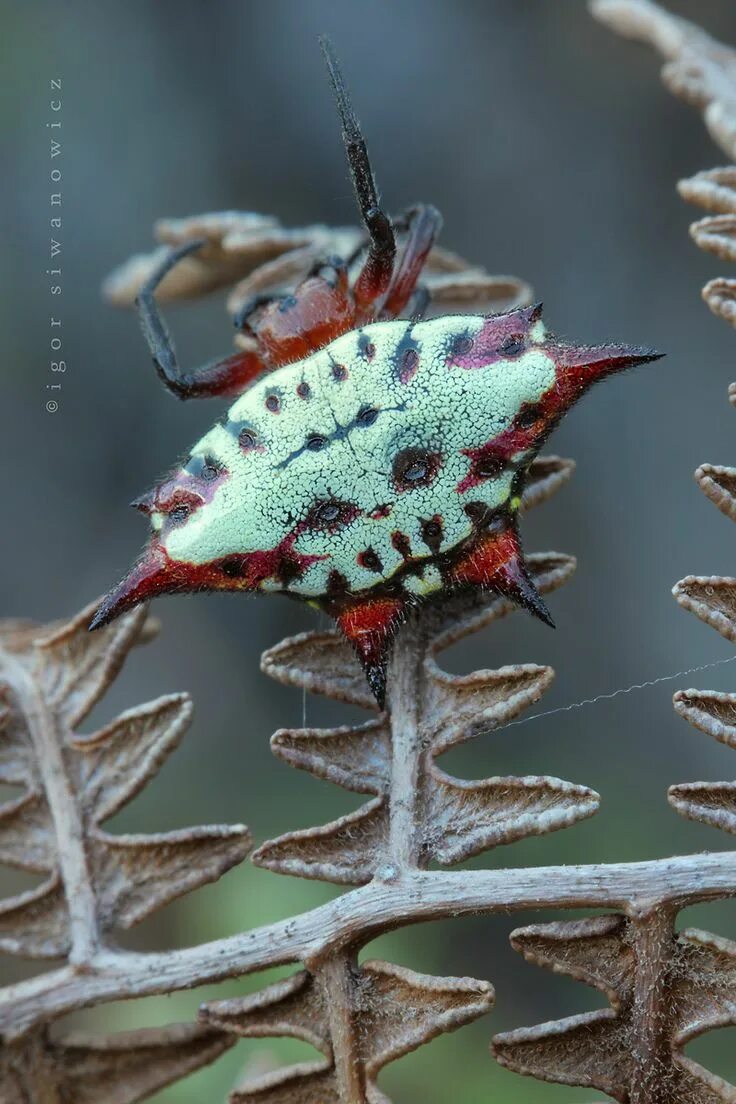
(359, 1017)
(417, 813)
(698, 69)
(712, 600)
(114, 1069)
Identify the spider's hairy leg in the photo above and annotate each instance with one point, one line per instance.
(425, 223)
(226, 377)
(418, 304)
(374, 278)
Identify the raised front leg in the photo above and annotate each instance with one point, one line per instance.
(425, 223)
(225, 378)
(374, 279)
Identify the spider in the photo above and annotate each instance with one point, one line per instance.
(368, 462)
(289, 327)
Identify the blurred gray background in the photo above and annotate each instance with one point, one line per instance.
(552, 151)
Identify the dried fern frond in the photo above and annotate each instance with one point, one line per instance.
(664, 989)
(359, 1017)
(449, 820)
(702, 72)
(712, 600)
(113, 1069)
(93, 882)
(252, 253)
(698, 69)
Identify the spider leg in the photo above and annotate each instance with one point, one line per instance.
(419, 300)
(425, 223)
(332, 269)
(252, 303)
(219, 377)
(374, 278)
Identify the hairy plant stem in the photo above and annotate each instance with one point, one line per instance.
(44, 1088)
(337, 975)
(650, 1042)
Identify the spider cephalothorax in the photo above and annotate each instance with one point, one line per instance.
(379, 462)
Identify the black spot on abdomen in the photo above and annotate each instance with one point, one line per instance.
(370, 560)
(432, 532)
(405, 359)
(401, 543)
(366, 348)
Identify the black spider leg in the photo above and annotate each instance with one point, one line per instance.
(218, 377)
(400, 224)
(419, 302)
(382, 250)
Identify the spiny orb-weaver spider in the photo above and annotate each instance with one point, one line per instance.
(367, 463)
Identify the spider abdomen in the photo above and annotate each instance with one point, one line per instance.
(367, 460)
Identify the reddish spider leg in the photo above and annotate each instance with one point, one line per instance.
(425, 223)
(220, 377)
(292, 326)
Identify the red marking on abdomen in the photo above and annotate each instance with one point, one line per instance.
(158, 573)
(401, 543)
(487, 346)
(486, 558)
(369, 624)
(531, 425)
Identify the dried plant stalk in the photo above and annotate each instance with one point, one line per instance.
(360, 1017)
(698, 69)
(93, 883)
(418, 813)
(664, 989)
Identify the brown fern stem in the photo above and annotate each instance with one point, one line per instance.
(650, 1038)
(47, 738)
(364, 913)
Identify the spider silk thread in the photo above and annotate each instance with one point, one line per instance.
(613, 694)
